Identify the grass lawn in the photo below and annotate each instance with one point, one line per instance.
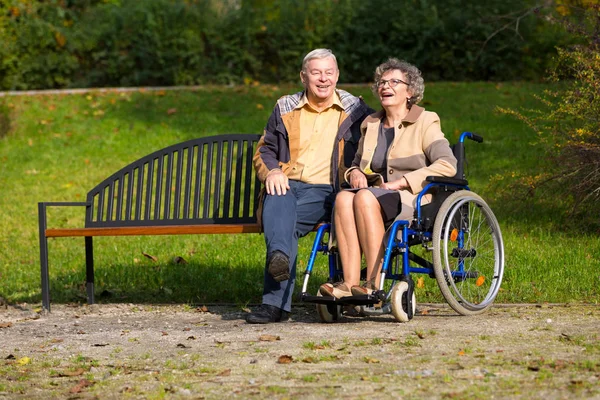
(57, 147)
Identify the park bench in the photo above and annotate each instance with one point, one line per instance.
(201, 186)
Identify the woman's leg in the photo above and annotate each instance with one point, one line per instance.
(346, 237)
(370, 231)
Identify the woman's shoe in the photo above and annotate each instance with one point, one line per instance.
(337, 290)
(360, 290)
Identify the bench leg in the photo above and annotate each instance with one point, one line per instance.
(45, 274)
(89, 269)
(44, 257)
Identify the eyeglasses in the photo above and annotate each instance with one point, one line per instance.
(392, 83)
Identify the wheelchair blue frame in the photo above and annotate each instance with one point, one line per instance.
(396, 246)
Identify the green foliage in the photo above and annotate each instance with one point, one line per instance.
(158, 42)
(101, 43)
(35, 51)
(568, 125)
(448, 40)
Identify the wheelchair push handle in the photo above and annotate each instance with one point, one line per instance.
(472, 136)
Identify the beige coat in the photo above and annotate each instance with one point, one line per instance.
(419, 150)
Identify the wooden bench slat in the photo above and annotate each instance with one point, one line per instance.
(153, 230)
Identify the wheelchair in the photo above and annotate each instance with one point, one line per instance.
(455, 239)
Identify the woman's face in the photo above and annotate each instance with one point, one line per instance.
(392, 89)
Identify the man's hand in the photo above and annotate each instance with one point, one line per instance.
(400, 184)
(276, 182)
(358, 180)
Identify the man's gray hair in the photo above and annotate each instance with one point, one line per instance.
(411, 73)
(317, 54)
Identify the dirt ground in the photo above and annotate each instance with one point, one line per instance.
(209, 352)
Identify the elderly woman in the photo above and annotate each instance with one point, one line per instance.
(400, 146)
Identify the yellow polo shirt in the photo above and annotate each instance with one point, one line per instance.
(318, 131)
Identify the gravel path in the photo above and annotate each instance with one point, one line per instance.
(149, 351)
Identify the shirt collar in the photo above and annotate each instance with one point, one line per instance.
(304, 101)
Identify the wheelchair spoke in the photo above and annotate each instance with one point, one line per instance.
(468, 253)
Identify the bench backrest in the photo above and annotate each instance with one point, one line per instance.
(208, 180)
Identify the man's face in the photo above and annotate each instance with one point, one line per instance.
(319, 78)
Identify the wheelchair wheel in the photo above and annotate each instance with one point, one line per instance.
(399, 301)
(328, 313)
(468, 253)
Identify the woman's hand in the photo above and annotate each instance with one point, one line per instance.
(276, 182)
(400, 184)
(358, 180)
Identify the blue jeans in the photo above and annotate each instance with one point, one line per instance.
(285, 219)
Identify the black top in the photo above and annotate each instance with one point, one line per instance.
(384, 141)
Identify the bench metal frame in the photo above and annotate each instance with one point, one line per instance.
(201, 186)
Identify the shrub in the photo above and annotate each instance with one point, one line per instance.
(568, 123)
(35, 51)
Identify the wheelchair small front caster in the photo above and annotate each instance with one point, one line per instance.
(328, 312)
(399, 302)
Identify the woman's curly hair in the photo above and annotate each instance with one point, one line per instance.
(413, 76)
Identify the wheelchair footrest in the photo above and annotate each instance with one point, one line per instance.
(367, 299)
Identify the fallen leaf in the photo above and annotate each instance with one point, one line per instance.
(187, 329)
(5, 324)
(421, 282)
(566, 337)
(165, 333)
(24, 361)
(269, 338)
(284, 359)
(153, 258)
(191, 338)
(171, 111)
(10, 357)
(461, 353)
(183, 346)
(480, 281)
(81, 332)
(260, 106)
(225, 372)
(80, 386)
(179, 260)
(100, 344)
(77, 372)
(202, 309)
(370, 360)
(420, 335)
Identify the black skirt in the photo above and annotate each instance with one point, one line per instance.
(389, 201)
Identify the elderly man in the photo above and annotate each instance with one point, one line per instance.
(309, 141)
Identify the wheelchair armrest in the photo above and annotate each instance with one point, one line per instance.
(447, 180)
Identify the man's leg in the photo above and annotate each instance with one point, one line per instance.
(311, 205)
(285, 219)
